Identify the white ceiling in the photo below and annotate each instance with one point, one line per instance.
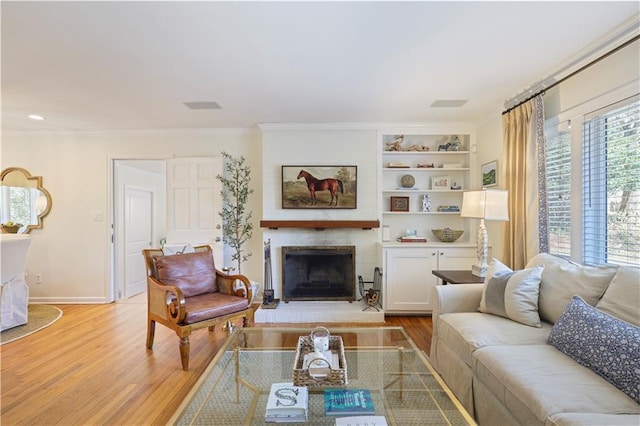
(93, 66)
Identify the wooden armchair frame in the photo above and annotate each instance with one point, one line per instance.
(166, 304)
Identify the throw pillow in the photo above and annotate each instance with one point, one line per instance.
(512, 294)
(607, 345)
(194, 273)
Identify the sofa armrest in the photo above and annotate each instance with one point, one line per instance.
(456, 298)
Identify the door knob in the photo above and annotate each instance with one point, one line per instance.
(218, 226)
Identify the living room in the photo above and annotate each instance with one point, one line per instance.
(74, 153)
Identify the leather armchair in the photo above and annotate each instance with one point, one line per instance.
(185, 292)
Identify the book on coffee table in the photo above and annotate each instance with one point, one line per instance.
(287, 403)
(346, 402)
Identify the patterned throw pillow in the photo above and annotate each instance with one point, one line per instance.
(512, 294)
(608, 346)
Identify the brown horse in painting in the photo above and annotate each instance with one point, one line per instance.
(330, 184)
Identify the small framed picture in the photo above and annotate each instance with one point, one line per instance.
(490, 174)
(440, 182)
(399, 204)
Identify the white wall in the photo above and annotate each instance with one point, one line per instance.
(72, 251)
(298, 146)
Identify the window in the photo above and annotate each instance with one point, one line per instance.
(559, 188)
(604, 225)
(611, 185)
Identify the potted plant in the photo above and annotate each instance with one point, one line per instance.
(237, 228)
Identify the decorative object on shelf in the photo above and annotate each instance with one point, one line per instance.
(447, 235)
(484, 204)
(319, 187)
(426, 203)
(425, 165)
(407, 181)
(444, 147)
(455, 144)
(398, 165)
(399, 204)
(440, 182)
(11, 228)
(456, 187)
(396, 144)
(451, 166)
(490, 174)
(237, 227)
(449, 209)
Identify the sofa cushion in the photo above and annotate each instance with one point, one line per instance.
(512, 294)
(562, 279)
(193, 273)
(608, 346)
(537, 381)
(464, 332)
(622, 297)
(593, 419)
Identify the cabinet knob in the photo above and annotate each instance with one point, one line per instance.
(441, 253)
(433, 253)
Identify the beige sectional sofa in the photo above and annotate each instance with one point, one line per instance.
(506, 373)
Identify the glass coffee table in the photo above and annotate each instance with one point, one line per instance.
(406, 390)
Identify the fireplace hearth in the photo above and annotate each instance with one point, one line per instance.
(318, 273)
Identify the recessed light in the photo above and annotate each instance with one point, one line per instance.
(203, 105)
(36, 117)
(449, 103)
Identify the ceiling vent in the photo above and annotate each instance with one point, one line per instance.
(203, 105)
(449, 103)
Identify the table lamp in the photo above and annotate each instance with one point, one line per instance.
(484, 204)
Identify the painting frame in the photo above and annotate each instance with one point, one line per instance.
(489, 174)
(441, 183)
(399, 204)
(341, 181)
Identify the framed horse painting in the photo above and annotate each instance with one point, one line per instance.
(319, 187)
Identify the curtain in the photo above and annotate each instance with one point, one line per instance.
(523, 175)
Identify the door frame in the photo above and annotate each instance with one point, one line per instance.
(112, 290)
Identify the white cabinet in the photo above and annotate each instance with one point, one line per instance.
(408, 281)
(441, 174)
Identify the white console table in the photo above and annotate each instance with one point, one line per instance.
(14, 292)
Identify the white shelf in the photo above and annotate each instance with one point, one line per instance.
(424, 169)
(420, 191)
(424, 152)
(421, 213)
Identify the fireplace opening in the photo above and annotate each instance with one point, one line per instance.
(318, 273)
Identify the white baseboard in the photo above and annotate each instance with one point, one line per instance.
(69, 300)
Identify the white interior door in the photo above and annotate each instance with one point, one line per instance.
(193, 203)
(138, 234)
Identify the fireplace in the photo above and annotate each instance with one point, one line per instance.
(318, 273)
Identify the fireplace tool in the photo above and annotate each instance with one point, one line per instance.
(268, 301)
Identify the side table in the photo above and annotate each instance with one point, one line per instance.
(457, 277)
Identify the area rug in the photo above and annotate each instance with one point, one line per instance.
(40, 316)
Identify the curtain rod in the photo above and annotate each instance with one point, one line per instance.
(579, 70)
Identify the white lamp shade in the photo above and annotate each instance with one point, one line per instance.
(487, 204)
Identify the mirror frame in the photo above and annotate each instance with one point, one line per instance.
(38, 182)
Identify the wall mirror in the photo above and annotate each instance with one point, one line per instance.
(23, 201)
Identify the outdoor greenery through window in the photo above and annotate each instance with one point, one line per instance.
(609, 216)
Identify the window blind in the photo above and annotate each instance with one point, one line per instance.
(558, 179)
(611, 184)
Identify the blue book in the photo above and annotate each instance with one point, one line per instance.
(344, 402)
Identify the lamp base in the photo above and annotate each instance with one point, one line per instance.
(479, 270)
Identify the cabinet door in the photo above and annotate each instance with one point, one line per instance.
(408, 286)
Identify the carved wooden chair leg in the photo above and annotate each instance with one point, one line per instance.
(184, 352)
(151, 331)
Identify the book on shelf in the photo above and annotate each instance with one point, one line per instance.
(287, 403)
(398, 165)
(412, 239)
(345, 402)
(361, 421)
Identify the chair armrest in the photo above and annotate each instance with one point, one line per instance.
(225, 284)
(166, 301)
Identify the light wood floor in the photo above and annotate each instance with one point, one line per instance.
(92, 367)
